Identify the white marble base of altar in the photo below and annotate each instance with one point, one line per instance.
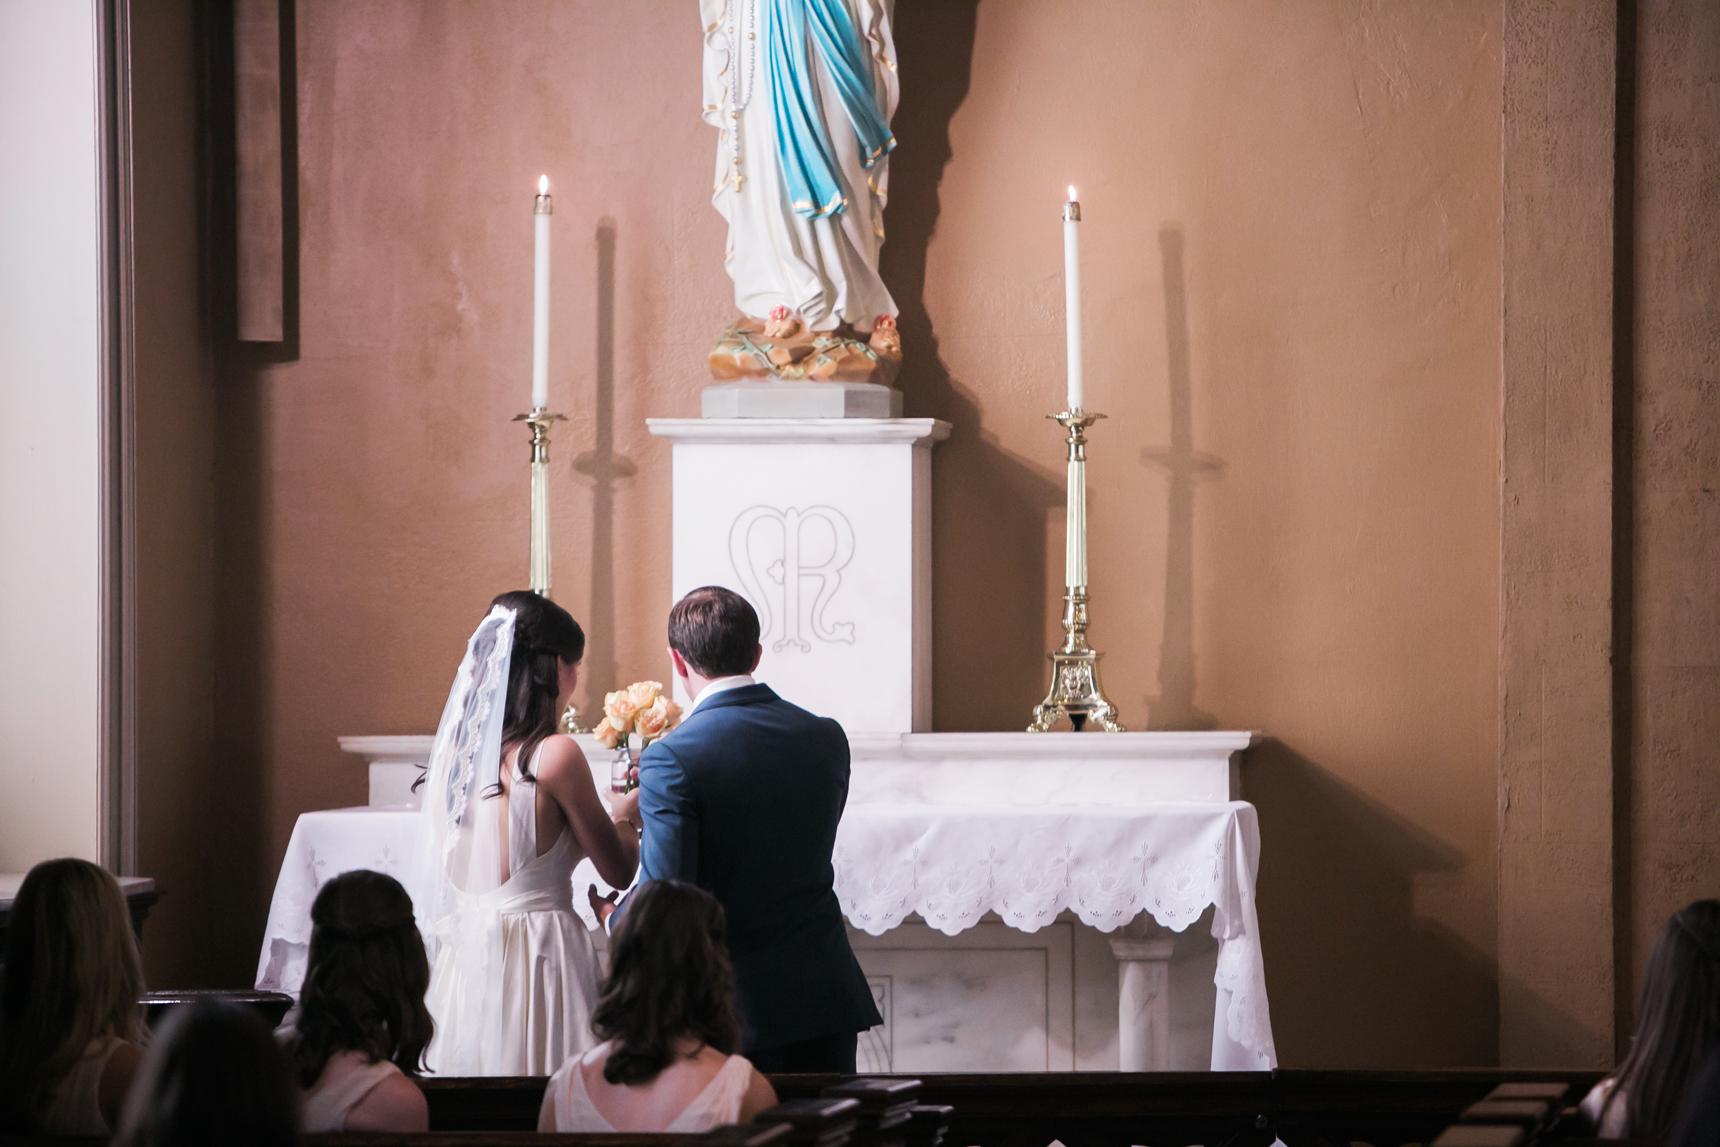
(998, 999)
(824, 525)
(1006, 920)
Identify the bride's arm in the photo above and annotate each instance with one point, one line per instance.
(613, 845)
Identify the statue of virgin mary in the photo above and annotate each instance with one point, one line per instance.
(801, 93)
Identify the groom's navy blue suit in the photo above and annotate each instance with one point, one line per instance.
(743, 799)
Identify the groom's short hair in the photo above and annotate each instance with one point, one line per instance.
(715, 630)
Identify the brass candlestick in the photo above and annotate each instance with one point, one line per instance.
(1075, 689)
(540, 420)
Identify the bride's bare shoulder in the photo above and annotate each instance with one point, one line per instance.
(560, 755)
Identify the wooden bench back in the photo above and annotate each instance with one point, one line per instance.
(1110, 1108)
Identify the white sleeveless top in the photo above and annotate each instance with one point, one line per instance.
(1616, 1123)
(327, 1105)
(719, 1103)
(75, 1108)
(515, 995)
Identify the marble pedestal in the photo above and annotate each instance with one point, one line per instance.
(777, 399)
(824, 525)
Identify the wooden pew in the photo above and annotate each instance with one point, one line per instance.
(271, 1007)
(499, 1103)
(814, 1122)
(1244, 1109)
(1107, 1109)
(729, 1135)
(1528, 1114)
(1310, 1108)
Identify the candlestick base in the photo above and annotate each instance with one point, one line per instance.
(1075, 689)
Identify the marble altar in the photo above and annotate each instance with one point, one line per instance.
(1005, 919)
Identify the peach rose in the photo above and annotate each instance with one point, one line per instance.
(674, 711)
(619, 709)
(644, 693)
(607, 735)
(653, 720)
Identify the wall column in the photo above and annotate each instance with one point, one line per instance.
(1556, 990)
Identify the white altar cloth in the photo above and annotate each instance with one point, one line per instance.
(950, 864)
(1106, 864)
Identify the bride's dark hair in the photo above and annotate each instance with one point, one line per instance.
(669, 976)
(544, 635)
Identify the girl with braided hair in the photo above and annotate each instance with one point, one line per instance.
(362, 1027)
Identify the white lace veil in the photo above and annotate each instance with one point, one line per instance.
(460, 860)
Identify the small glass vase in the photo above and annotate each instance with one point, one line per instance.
(621, 769)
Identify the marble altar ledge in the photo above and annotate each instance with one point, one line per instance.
(1009, 768)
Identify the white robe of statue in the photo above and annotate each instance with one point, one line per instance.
(825, 269)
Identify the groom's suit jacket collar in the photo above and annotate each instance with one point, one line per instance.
(741, 695)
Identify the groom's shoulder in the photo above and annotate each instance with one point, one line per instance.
(785, 710)
(767, 714)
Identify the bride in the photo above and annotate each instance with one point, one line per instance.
(509, 809)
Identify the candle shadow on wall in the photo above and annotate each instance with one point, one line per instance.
(988, 508)
(1184, 469)
(603, 467)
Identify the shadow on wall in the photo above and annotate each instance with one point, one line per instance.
(1184, 469)
(1355, 978)
(602, 466)
(988, 509)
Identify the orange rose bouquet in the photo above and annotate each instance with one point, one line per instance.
(641, 710)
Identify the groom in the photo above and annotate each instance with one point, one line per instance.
(743, 799)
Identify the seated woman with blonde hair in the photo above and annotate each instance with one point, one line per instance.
(1677, 1027)
(667, 1015)
(70, 1023)
(362, 1026)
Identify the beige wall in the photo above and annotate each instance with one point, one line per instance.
(1292, 268)
(50, 435)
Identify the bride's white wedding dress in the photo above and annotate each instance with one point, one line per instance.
(513, 972)
(540, 952)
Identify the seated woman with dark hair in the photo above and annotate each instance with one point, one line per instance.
(70, 1024)
(1677, 1026)
(362, 1025)
(667, 1014)
(213, 1074)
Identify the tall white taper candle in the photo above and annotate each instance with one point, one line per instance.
(1072, 293)
(541, 211)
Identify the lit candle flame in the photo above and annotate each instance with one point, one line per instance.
(1071, 193)
(543, 185)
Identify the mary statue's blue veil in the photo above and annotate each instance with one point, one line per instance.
(795, 29)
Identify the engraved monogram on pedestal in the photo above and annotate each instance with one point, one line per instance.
(816, 543)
